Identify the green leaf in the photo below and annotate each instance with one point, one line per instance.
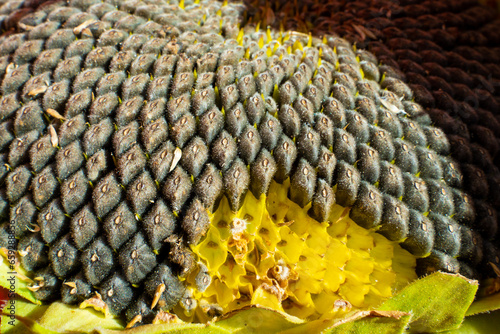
(437, 302)
(484, 304)
(379, 325)
(15, 279)
(357, 322)
(12, 328)
(21, 308)
(479, 324)
(258, 320)
(62, 318)
(56, 318)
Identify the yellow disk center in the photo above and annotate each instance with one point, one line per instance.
(273, 254)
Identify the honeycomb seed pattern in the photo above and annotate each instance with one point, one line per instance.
(122, 125)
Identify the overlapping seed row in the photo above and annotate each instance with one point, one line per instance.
(121, 126)
(447, 53)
